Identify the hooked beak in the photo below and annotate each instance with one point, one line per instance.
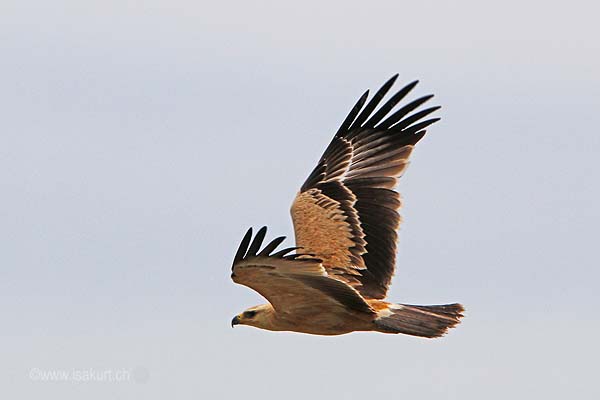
(235, 321)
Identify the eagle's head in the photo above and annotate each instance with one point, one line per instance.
(257, 316)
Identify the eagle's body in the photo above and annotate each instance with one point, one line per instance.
(345, 221)
(316, 321)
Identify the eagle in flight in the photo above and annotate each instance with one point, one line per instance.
(345, 221)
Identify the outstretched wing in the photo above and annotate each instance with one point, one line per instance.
(347, 210)
(291, 282)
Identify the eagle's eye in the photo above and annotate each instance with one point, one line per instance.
(249, 314)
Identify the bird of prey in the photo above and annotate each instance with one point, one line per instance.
(345, 221)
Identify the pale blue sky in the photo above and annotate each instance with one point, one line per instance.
(139, 140)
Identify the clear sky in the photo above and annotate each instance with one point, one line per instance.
(139, 141)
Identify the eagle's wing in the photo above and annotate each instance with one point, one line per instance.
(291, 282)
(347, 211)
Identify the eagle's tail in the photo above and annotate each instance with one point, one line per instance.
(426, 321)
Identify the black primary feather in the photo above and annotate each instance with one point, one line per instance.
(257, 242)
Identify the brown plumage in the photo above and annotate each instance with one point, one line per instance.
(345, 221)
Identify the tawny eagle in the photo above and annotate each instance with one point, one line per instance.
(345, 221)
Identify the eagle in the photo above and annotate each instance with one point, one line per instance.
(345, 217)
